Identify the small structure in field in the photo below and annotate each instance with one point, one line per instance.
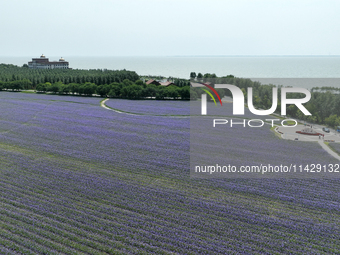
(309, 131)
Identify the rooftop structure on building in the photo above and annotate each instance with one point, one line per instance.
(44, 63)
(167, 83)
(152, 81)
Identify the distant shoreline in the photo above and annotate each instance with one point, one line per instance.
(261, 66)
(161, 56)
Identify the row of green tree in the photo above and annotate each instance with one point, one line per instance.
(16, 85)
(125, 89)
(9, 73)
(324, 107)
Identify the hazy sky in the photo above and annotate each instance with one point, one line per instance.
(169, 27)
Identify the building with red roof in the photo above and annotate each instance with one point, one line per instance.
(151, 81)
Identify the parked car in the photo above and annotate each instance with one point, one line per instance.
(326, 129)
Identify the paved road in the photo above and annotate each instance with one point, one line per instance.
(290, 134)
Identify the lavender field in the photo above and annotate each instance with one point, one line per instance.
(150, 107)
(335, 147)
(80, 179)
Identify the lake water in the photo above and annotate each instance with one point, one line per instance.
(254, 66)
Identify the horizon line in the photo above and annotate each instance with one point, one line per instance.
(274, 55)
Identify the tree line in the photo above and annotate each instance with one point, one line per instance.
(12, 73)
(106, 83)
(125, 89)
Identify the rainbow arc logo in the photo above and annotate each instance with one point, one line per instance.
(213, 90)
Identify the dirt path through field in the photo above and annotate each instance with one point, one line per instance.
(102, 104)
